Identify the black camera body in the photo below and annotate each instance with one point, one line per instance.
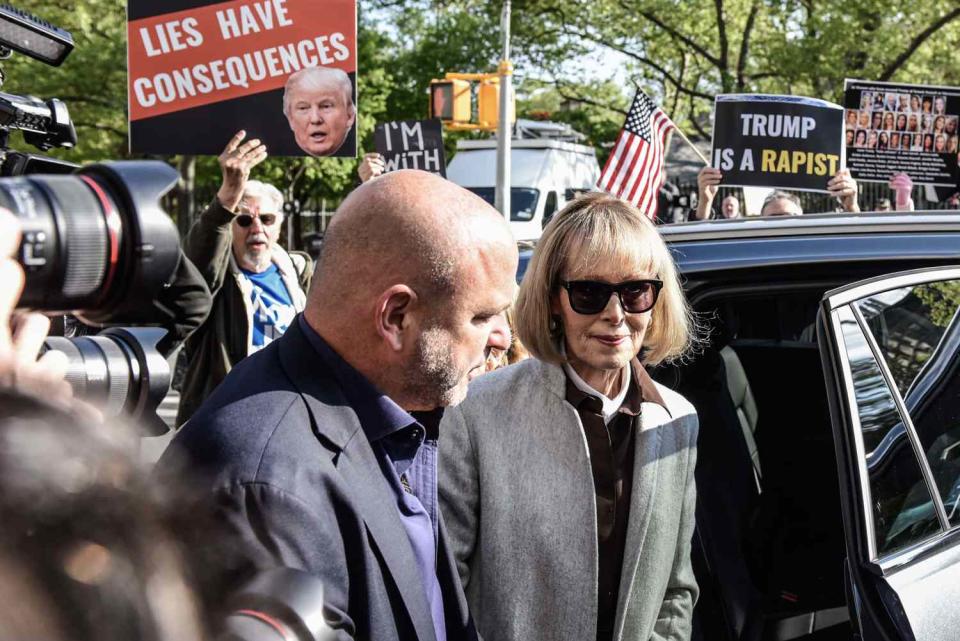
(95, 242)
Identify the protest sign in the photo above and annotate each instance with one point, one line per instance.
(199, 71)
(777, 141)
(894, 128)
(411, 144)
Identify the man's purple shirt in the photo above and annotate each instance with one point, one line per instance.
(406, 449)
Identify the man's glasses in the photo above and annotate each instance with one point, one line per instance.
(245, 220)
(591, 296)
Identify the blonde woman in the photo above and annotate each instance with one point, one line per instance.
(566, 481)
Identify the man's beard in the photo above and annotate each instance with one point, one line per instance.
(434, 377)
(260, 256)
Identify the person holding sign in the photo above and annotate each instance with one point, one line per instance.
(842, 186)
(258, 287)
(708, 182)
(318, 104)
(371, 166)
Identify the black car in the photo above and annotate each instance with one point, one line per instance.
(828, 391)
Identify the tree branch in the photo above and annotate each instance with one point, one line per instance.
(643, 60)
(679, 36)
(88, 100)
(588, 101)
(915, 44)
(724, 44)
(676, 94)
(745, 44)
(693, 121)
(761, 75)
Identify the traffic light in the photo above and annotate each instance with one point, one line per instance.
(450, 100)
(488, 104)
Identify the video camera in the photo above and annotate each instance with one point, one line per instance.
(95, 243)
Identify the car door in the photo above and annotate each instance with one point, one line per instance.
(891, 353)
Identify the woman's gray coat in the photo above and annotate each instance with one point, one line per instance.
(517, 495)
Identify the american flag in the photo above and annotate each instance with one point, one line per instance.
(634, 171)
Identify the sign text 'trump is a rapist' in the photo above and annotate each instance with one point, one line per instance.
(777, 141)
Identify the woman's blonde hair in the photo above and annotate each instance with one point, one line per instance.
(597, 230)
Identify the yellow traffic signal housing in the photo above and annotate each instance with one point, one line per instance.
(488, 104)
(450, 100)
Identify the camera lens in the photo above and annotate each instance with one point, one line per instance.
(120, 371)
(95, 242)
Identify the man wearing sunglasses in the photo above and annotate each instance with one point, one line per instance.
(257, 287)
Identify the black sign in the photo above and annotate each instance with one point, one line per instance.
(411, 144)
(777, 141)
(894, 128)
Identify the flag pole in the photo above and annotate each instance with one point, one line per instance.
(692, 146)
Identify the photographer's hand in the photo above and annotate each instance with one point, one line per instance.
(236, 161)
(22, 335)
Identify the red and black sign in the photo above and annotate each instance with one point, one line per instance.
(283, 70)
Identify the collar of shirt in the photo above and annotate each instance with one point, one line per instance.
(643, 390)
(609, 406)
(379, 415)
(271, 268)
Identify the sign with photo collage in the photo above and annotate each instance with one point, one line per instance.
(893, 128)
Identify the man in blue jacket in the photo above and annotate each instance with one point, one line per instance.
(319, 451)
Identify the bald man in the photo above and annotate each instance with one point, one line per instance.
(319, 451)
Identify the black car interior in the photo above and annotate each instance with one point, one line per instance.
(769, 548)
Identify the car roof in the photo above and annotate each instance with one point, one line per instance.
(821, 238)
(744, 243)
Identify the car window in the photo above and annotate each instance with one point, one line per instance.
(523, 201)
(786, 316)
(901, 504)
(550, 206)
(918, 332)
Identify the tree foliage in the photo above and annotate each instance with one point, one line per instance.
(686, 52)
(92, 81)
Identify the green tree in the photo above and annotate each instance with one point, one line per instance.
(92, 80)
(942, 299)
(686, 52)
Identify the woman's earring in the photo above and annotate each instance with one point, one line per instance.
(554, 325)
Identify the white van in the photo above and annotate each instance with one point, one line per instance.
(545, 174)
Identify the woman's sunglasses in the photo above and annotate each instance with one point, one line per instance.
(591, 296)
(245, 220)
